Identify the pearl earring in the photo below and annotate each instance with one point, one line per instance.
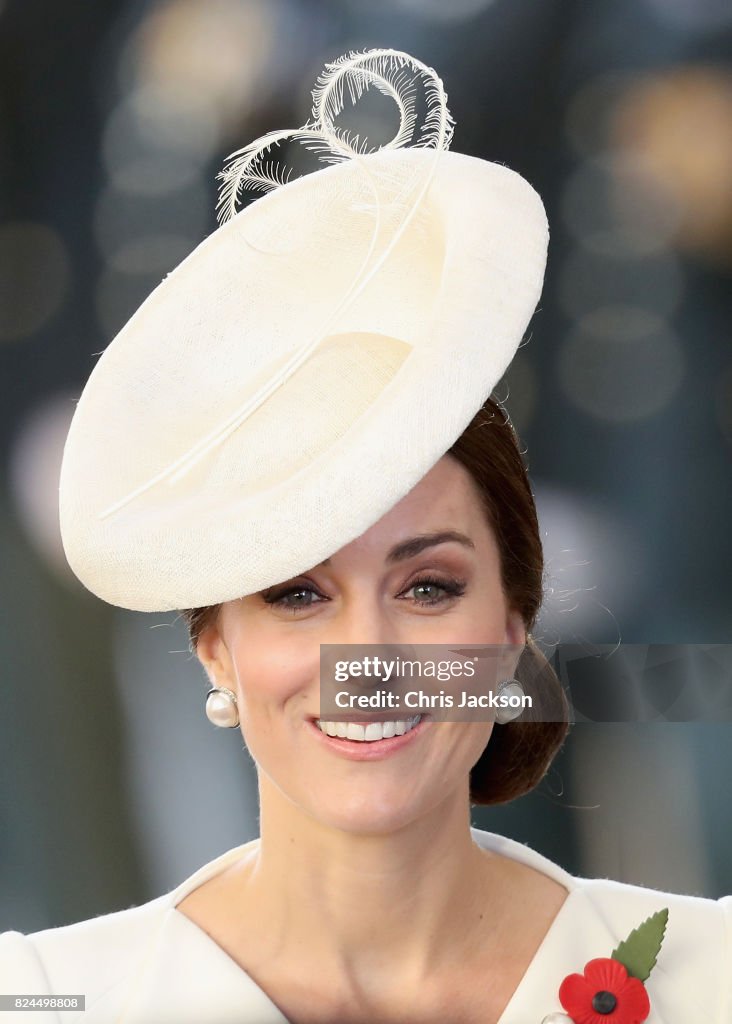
(221, 707)
(509, 688)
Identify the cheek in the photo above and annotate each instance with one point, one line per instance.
(269, 676)
(453, 751)
(471, 738)
(482, 732)
(480, 619)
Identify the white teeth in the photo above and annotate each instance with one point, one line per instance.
(368, 733)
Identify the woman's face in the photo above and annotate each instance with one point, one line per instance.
(266, 648)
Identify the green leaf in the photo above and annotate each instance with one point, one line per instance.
(639, 951)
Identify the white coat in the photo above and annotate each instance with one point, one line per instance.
(151, 964)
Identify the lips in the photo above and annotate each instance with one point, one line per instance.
(371, 749)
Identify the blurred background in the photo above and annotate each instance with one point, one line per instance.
(115, 116)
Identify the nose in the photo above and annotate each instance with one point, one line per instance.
(363, 629)
(367, 626)
(363, 621)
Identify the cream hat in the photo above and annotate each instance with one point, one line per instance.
(309, 362)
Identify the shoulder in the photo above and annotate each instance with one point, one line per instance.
(92, 956)
(144, 964)
(623, 901)
(622, 904)
(692, 977)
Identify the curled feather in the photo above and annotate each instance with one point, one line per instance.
(393, 73)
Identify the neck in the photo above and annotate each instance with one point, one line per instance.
(363, 903)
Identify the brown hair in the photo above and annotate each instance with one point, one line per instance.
(519, 753)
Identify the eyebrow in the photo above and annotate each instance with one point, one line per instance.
(414, 545)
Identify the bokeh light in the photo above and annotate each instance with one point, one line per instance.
(445, 10)
(156, 142)
(702, 15)
(678, 126)
(34, 277)
(224, 52)
(611, 205)
(595, 567)
(589, 280)
(123, 222)
(621, 363)
(142, 239)
(588, 112)
(148, 254)
(33, 474)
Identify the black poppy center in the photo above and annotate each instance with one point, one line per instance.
(604, 1002)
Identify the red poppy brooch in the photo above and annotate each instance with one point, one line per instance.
(611, 989)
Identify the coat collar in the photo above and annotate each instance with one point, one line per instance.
(185, 975)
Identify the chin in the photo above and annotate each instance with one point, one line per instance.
(367, 813)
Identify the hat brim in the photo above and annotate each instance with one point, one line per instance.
(451, 309)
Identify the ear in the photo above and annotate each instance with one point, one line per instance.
(212, 652)
(516, 637)
(515, 628)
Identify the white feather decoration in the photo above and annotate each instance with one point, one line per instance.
(392, 73)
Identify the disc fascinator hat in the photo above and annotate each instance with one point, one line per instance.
(310, 361)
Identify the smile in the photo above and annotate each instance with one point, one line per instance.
(370, 732)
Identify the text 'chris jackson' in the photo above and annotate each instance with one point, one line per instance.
(383, 699)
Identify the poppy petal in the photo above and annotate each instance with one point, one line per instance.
(606, 973)
(633, 1002)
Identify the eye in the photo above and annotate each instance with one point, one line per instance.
(299, 596)
(450, 589)
(280, 599)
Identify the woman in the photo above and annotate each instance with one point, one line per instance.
(354, 489)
